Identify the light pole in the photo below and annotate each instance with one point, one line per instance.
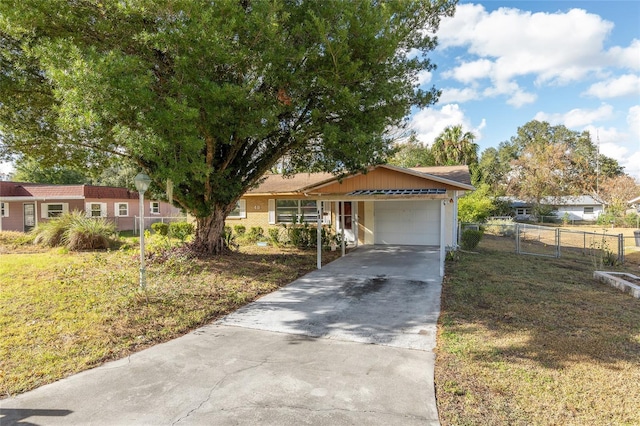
(142, 182)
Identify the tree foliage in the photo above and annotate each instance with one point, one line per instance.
(32, 170)
(412, 153)
(545, 160)
(454, 147)
(477, 206)
(209, 94)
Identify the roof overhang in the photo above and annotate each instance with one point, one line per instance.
(434, 178)
(24, 198)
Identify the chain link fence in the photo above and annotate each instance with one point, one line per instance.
(536, 240)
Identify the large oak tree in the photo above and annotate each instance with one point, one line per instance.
(210, 94)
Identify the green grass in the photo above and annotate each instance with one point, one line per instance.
(62, 312)
(535, 341)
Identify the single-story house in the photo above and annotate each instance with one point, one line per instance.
(582, 208)
(385, 205)
(24, 205)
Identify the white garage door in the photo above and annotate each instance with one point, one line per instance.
(407, 222)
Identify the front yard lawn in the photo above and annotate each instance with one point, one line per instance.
(527, 340)
(63, 312)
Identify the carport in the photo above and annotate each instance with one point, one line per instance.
(393, 206)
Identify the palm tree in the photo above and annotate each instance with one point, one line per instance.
(453, 147)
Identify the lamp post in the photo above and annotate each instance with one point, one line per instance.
(142, 182)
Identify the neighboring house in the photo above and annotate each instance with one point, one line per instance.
(386, 205)
(581, 208)
(24, 205)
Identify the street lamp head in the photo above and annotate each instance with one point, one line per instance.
(142, 182)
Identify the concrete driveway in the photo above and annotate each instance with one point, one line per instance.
(349, 344)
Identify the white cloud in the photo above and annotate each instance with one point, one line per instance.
(452, 95)
(424, 77)
(577, 117)
(624, 85)
(521, 98)
(633, 120)
(626, 56)
(469, 72)
(429, 122)
(557, 47)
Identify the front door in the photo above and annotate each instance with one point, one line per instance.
(346, 207)
(29, 217)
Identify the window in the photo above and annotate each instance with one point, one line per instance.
(240, 212)
(54, 210)
(588, 210)
(4, 209)
(523, 211)
(298, 211)
(155, 207)
(95, 210)
(122, 209)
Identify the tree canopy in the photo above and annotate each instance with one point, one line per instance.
(454, 146)
(209, 94)
(543, 160)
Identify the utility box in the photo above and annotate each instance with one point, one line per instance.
(636, 234)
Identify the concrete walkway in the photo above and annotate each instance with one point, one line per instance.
(349, 344)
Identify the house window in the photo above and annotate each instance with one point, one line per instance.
(588, 210)
(4, 210)
(240, 212)
(95, 210)
(523, 211)
(298, 211)
(122, 209)
(54, 210)
(155, 207)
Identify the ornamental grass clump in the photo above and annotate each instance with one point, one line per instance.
(75, 231)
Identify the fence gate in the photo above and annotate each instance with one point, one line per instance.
(537, 240)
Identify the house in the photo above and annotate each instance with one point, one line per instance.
(24, 205)
(581, 208)
(385, 205)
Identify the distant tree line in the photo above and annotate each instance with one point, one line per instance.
(539, 163)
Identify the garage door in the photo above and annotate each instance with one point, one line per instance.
(407, 222)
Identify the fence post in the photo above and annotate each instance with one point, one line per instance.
(517, 228)
(557, 242)
(621, 248)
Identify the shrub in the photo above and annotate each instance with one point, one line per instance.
(255, 233)
(181, 230)
(274, 235)
(75, 231)
(470, 239)
(240, 229)
(51, 233)
(89, 234)
(160, 228)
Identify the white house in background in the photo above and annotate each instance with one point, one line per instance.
(581, 208)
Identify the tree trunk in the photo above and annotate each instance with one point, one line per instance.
(209, 233)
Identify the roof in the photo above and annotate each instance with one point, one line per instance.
(579, 200)
(302, 182)
(60, 192)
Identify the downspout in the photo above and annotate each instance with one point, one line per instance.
(454, 242)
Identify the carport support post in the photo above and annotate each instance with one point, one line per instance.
(341, 210)
(442, 241)
(319, 234)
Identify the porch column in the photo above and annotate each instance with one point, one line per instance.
(319, 234)
(341, 213)
(442, 240)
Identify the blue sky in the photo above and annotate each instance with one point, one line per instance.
(502, 64)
